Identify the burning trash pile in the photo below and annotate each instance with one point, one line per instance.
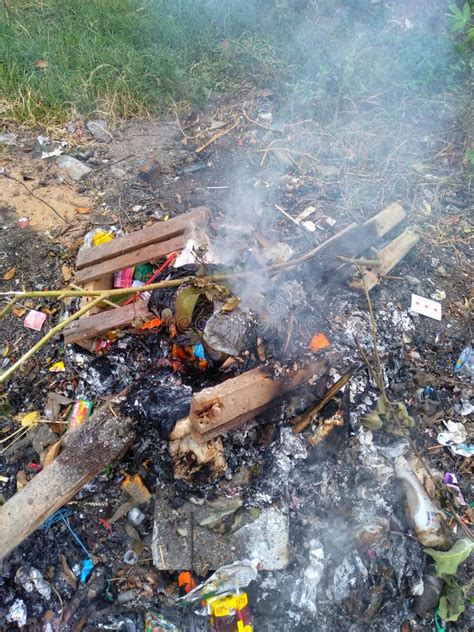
(228, 438)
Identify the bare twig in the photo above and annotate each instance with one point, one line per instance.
(262, 125)
(305, 419)
(218, 135)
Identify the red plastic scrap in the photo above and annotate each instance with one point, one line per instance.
(172, 256)
(106, 524)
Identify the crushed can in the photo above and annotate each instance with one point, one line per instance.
(230, 613)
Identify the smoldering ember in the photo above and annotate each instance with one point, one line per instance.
(237, 366)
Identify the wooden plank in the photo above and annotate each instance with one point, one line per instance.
(354, 241)
(102, 283)
(220, 408)
(387, 219)
(389, 256)
(141, 255)
(101, 440)
(161, 231)
(98, 324)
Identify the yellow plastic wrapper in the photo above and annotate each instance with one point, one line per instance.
(101, 236)
(230, 613)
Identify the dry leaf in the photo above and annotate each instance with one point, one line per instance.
(83, 210)
(53, 452)
(30, 420)
(67, 272)
(9, 274)
(18, 311)
(68, 574)
(40, 63)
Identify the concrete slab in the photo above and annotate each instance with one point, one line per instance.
(180, 543)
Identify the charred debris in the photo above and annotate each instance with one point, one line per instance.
(235, 397)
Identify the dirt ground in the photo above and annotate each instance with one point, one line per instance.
(264, 167)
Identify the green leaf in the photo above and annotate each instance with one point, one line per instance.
(402, 415)
(455, 12)
(372, 421)
(185, 304)
(451, 603)
(466, 12)
(447, 562)
(383, 407)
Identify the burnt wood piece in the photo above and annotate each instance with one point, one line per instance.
(389, 256)
(87, 328)
(220, 408)
(102, 439)
(161, 231)
(359, 238)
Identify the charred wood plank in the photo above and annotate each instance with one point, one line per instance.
(220, 408)
(161, 231)
(101, 440)
(389, 256)
(356, 240)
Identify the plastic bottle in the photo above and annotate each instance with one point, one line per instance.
(465, 362)
(423, 513)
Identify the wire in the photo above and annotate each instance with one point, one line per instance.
(62, 515)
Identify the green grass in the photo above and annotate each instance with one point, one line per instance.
(120, 58)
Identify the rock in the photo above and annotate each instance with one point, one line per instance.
(99, 130)
(73, 167)
(118, 173)
(8, 139)
(149, 171)
(442, 271)
(42, 438)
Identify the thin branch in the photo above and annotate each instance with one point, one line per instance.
(218, 135)
(52, 332)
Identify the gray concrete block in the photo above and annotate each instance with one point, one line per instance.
(73, 167)
(175, 540)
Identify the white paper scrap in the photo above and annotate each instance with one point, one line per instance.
(425, 306)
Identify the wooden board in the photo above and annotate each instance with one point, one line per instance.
(161, 231)
(107, 320)
(152, 252)
(389, 256)
(355, 240)
(220, 408)
(101, 440)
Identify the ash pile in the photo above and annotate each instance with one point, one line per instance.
(255, 411)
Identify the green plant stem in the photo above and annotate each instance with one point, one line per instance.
(7, 307)
(52, 332)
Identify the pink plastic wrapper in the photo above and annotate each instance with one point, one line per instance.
(124, 278)
(35, 320)
(24, 222)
